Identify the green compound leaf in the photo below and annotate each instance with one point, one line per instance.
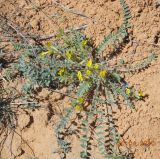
(121, 33)
(83, 88)
(83, 154)
(116, 77)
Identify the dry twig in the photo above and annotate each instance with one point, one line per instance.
(70, 10)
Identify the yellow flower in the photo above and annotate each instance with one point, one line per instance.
(61, 72)
(80, 100)
(88, 72)
(96, 66)
(78, 108)
(69, 54)
(43, 54)
(140, 94)
(102, 73)
(79, 75)
(89, 63)
(84, 43)
(128, 91)
(50, 47)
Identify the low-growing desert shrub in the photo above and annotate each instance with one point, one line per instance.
(93, 85)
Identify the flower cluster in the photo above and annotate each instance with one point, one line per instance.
(130, 92)
(90, 69)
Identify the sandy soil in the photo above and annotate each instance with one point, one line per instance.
(140, 127)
